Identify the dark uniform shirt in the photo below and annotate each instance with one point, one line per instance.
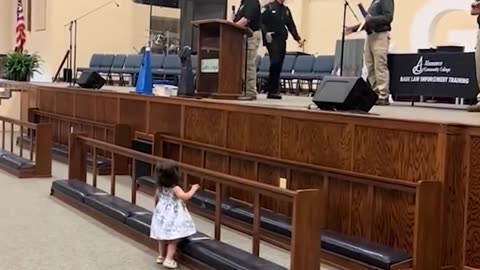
(382, 16)
(249, 9)
(277, 18)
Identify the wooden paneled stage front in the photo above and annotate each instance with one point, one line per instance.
(398, 142)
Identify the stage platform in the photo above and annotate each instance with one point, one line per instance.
(398, 143)
(422, 111)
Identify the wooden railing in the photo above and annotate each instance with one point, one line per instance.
(40, 146)
(398, 214)
(62, 126)
(306, 219)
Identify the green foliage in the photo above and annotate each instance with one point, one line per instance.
(20, 66)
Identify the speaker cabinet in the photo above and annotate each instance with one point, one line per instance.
(345, 94)
(91, 80)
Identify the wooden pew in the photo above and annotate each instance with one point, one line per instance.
(62, 126)
(38, 163)
(306, 220)
(391, 213)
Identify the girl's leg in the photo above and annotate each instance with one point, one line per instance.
(171, 250)
(162, 250)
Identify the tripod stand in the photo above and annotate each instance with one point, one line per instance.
(342, 54)
(72, 58)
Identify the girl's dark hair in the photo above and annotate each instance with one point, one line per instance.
(166, 174)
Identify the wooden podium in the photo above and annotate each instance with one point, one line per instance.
(221, 58)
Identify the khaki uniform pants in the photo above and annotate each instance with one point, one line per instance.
(477, 61)
(376, 51)
(252, 48)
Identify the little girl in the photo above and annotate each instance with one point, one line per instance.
(171, 220)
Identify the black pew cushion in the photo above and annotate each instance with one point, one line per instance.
(146, 181)
(219, 255)
(140, 222)
(15, 161)
(206, 200)
(60, 150)
(114, 207)
(76, 189)
(270, 221)
(369, 253)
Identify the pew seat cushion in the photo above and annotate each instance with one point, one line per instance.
(76, 189)
(14, 161)
(140, 222)
(206, 199)
(61, 150)
(219, 255)
(371, 254)
(117, 208)
(146, 181)
(270, 221)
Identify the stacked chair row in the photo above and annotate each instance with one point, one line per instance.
(123, 66)
(303, 69)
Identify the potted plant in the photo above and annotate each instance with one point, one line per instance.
(20, 66)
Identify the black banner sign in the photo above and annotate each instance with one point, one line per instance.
(433, 74)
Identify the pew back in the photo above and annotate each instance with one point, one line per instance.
(306, 220)
(62, 126)
(41, 143)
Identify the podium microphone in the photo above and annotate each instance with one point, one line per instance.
(116, 3)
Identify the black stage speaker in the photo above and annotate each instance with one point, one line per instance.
(91, 80)
(345, 94)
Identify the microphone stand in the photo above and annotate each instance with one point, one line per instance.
(73, 40)
(345, 5)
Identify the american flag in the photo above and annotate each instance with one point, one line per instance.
(20, 30)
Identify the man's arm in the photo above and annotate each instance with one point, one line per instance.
(292, 28)
(252, 11)
(386, 16)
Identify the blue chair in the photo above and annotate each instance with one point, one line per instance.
(118, 63)
(303, 65)
(157, 63)
(287, 68)
(105, 64)
(95, 62)
(264, 67)
(257, 61)
(172, 65)
(263, 70)
(322, 67)
(131, 67)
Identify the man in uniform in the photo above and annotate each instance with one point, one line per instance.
(476, 12)
(276, 19)
(248, 15)
(378, 26)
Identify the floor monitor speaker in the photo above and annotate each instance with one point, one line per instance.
(344, 94)
(91, 80)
